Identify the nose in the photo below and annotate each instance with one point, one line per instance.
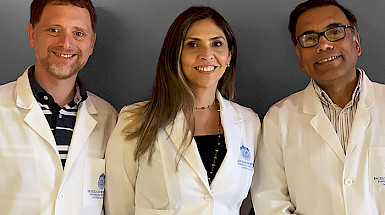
(324, 44)
(206, 53)
(66, 40)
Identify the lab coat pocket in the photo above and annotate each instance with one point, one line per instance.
(377, 168)
(148, 211)
(93, 181)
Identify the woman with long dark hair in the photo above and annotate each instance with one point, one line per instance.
(189, 149)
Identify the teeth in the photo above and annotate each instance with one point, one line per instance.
(64, 55)
(327, 59)
(206, 69)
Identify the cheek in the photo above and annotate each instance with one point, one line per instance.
(186, 60)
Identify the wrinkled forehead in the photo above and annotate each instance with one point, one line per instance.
(319, 19)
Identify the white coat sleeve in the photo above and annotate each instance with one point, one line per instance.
(270, 191)
(121, 172)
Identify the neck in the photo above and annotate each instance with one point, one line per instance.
(62, 90)
(204, 97)
(340, 92)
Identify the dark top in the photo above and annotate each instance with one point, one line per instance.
(207, 145)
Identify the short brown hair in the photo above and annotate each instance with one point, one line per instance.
(310, 4)
(37, 7)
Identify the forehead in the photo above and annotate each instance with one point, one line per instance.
(204, 27)
(65, 15)
(318, 19)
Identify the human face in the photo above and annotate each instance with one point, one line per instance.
(63, 40)
(328, 62)
(205, 55)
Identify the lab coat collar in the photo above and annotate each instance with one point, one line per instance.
(85, 123)
(311, 105)
(233, 134)
(35, 117)
(362, 117)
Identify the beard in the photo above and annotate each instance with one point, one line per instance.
(63, 70)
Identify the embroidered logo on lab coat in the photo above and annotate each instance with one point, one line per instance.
(244, 159)
(380, 180)
(101, 181)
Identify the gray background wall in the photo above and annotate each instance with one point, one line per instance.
(130, 34)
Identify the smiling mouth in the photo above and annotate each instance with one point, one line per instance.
(325, 60)
(206, 68)
(64, 55)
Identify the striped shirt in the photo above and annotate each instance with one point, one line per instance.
(340, 118)
(61, 120)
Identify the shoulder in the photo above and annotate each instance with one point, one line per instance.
(5, 89)
(287, 104)
(126, 110)
(248, 115)
(127, 114)
(8, 95)
(101, 105)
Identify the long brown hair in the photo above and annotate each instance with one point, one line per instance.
(170, 92)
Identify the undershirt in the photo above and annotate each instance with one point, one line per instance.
(207, 144)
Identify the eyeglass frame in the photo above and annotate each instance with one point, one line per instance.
(323, 34)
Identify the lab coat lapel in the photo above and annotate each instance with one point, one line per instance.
(320, 122)
(35, 117)
(192, 156)
(233, 136)
(84, 126)
(361, 118)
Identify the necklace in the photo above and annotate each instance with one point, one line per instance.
(207, 107)
(210, 176)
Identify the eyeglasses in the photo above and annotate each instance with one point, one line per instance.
(311, 39)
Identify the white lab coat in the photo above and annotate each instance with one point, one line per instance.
(302, 168)
(158, 189)
(32, 180)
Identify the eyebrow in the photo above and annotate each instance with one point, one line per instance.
(331, 25)
(214, 38)
(334, 24)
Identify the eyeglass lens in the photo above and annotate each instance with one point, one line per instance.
(331, 34)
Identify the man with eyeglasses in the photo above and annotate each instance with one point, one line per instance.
(323, 148)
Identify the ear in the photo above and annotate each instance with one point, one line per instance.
(93, 44)
(31, 35)
(358, 44)
(229, 58)
(298, 53)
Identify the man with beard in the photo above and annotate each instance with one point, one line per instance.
(323, 148)
(53, 132)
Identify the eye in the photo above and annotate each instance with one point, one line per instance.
(217, 43)
(310, 37)
(192, 44)
(79, 34)
(336, 31)
(53, 30)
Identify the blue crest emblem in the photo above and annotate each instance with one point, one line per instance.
(101, 181)
(245, 153)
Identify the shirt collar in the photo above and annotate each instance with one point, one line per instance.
(40, 94)
(326, 100)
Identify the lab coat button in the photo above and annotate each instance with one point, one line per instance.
(348, 182)
(61, 196)
(207, 197)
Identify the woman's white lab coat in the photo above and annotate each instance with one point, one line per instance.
(32, 180)
(143, 189)
(303, 168)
